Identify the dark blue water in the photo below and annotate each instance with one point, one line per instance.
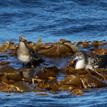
(95, 98)
(51, 20)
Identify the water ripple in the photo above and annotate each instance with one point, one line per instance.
(54, 19)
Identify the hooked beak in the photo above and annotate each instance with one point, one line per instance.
(74, 61)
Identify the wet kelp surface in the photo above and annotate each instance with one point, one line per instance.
(56, 73)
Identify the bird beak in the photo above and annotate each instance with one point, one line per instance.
(74, 61)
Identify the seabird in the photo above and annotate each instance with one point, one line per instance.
(26, 55)
(84, 61)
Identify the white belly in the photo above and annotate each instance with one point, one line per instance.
(24, 58)
(80, 64)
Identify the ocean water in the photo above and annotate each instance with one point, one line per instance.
(51, 20)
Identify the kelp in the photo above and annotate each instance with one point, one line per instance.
(46, 76)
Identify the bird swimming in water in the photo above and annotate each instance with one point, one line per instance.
(26, 55)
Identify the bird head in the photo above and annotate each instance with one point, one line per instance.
(78, 60)
(79, 56)
(22, 39)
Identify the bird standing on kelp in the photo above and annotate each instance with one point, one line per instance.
(26, 55)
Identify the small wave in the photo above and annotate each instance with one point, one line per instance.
(53, 17)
